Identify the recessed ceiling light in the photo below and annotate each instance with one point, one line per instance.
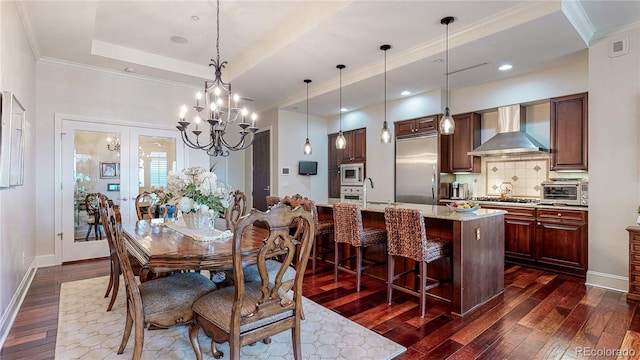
(130, 69)
(195, 17)
(179, 39)
(505, 67)
(344, 109)
(405, 93)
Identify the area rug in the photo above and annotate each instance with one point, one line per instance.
(87, 331)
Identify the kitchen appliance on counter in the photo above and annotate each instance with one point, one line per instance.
(416, 170)
(565, 192)
(352, 174)
(458, 191)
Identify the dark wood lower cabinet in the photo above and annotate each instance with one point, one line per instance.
(561, 244)
(548, 239)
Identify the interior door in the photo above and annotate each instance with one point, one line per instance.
(91, 157)
(115, 160)
(261, 169)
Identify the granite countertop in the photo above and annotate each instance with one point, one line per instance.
(429, 211)
(524, 205)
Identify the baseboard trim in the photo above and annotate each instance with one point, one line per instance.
(607, 281)
(45, 260)
(16, 301)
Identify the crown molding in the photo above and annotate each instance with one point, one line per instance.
(576, 15)
(91, 68)
(28, 29)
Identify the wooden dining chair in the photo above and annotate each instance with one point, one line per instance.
(407, 237)
(248, 312)
(163, 302)
(147, 206)
(347, 219)
(93, 217)
(324, 228)
(237, 209)
(272, 201)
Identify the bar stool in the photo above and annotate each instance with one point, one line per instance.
(407, 237)
(348, 228)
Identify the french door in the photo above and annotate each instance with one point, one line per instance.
(119, 161)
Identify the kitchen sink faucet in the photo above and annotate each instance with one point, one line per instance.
(364, 191)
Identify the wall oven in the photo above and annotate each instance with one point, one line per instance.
(352, 193)
(352, 174)
(565, 192)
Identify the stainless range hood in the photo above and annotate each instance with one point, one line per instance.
(510, 140)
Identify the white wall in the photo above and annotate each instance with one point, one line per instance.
(97, 94)
(614, 135)
(17, 204)
(290, 151)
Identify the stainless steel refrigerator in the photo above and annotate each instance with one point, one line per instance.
(417, 170)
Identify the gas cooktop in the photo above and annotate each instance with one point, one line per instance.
(509, 200)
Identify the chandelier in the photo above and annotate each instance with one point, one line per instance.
(113, 144)
(219, 106)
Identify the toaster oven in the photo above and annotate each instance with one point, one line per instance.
(567, 192)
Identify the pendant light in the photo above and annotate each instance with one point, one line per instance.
(307, 144)
(385, 134)
(341, 142)
(447, 125)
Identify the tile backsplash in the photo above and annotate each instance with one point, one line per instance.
(524, 173)
(522, 176)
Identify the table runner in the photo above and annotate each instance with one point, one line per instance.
(200, 235)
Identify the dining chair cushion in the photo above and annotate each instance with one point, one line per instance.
(216, 308)
(173, 296)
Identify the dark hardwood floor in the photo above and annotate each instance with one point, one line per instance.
(540, 315)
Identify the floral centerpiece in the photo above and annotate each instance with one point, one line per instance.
(196, 191)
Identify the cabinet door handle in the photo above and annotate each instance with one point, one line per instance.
(559, 215)
(539, 223)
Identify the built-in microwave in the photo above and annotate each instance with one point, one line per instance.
(568, 192)
(352, 174)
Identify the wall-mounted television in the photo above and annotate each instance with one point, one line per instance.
(308, 168)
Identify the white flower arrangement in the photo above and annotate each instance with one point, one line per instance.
(196, 189)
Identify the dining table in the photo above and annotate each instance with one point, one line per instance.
(157, 246)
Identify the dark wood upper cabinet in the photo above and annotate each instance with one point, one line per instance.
(465, 138)
(569, 132)
(335, 156)
(356, 149)
(418, 126)
(355, 152)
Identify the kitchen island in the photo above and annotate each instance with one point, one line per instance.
(478, 250)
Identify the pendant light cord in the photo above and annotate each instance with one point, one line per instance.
(218, 31)
(307, 108)
(385, 85)
(340, 110)
(447, 65)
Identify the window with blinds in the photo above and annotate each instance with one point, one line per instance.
(158, 168)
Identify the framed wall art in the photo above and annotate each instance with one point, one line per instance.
(109, 170)
(12, 138)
